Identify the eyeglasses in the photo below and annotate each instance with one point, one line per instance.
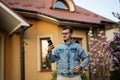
(65, 33)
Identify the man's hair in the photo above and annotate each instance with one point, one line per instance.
(68, 27)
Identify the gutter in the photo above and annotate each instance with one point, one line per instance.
(58, 19)
(22, 26)
(22, 52)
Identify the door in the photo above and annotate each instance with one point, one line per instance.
(1, 57)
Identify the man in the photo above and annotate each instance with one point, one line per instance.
(68, 55)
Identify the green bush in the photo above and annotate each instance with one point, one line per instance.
(83, 76)
(54, 75)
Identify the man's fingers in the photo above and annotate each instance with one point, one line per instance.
(50, 48)
(77, 69)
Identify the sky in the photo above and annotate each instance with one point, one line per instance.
(101, 7)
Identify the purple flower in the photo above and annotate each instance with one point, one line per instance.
(91, 39)
(93, 64)
(90, 43)
(117, 53)
(90, 34)
(96, 39)
(101, 32)
(115, 60)
(102, 64)
(97, 60)
(94, 71)
(102, 44)
(115, 37)
(104, 37)
(108, 46)
(118, 34)
(118, 46)
(99, 35)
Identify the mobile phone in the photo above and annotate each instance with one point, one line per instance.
(49, 42)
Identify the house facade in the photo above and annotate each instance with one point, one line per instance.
(110, 32)
(23, 50)
(10, 23)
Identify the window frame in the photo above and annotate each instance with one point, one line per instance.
(78, 38)
(39, 53)
(65, 4)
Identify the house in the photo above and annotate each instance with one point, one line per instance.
(10, 22)
(110, 32)
(23, 48)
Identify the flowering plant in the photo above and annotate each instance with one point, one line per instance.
(99, 56)
(114, 50)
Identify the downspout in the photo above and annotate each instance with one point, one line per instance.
(22, 52)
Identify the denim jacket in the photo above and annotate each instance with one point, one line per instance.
(67, 57)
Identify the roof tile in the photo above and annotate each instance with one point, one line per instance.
(44, 7)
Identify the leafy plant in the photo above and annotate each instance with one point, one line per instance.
(114, 51)
(54, 75)
(83, 76)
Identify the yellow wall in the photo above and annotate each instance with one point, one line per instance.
(12, 54)
(110, 33)
(81, 34)
(12, 57)
(42, 28)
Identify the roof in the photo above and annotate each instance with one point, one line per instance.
(9, 17)
(45, 7)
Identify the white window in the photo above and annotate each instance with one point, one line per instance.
(60, 4)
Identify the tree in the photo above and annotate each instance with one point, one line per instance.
(114, 50)
(117, 15)
(99, 56)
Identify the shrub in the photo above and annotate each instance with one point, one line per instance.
(99, 56)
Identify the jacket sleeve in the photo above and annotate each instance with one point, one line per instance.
(53, 56)
(85, 58)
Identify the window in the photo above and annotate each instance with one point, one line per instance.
(60, 4)
(77, 40)
(45, 64)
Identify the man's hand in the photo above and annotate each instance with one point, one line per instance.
(77, 69)
(50, 47)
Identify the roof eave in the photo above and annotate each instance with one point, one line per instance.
(108, 22)
(8, 15)
(60, 19)
(55, 20)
